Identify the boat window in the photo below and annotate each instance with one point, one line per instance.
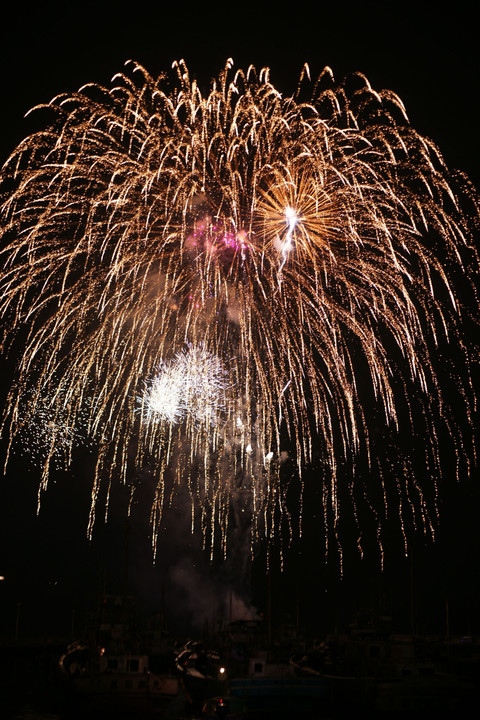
(133, 665)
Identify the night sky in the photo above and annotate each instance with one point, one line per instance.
(53, 575)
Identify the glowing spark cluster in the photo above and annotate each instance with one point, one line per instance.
(193, 384)
(266, 276)
(46, 433)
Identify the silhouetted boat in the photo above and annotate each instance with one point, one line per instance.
(122, 681)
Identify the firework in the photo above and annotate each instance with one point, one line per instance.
(193, 385)
(47, 436)
(236, 275)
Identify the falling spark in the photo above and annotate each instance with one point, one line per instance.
(198, 254)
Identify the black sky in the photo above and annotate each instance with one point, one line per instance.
(430, 59)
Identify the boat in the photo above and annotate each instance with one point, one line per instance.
(201, 670)
(277, 688)
(116, 680)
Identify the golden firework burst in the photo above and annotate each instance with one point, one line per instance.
(265, 245)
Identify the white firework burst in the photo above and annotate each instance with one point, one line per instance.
(191, 386)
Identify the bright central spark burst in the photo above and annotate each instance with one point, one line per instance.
(262, 274)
